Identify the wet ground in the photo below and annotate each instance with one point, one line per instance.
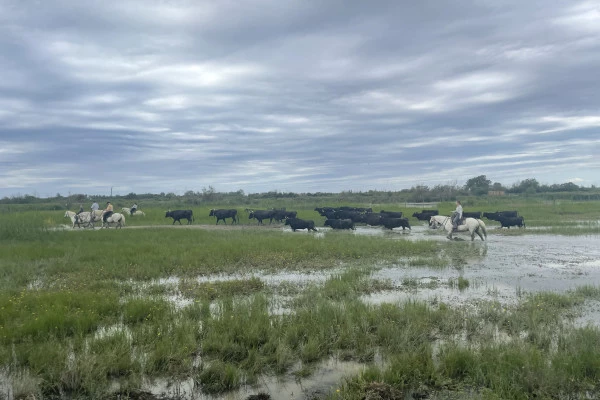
(503, 268)
(328, 375)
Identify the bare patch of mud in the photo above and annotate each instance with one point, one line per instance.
(322, 381)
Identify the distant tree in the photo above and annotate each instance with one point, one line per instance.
(497, 186)
(420, 193)
(208, 194)
(529, 186)
(478, 185)
(569, 187)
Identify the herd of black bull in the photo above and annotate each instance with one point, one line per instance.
(345, 217)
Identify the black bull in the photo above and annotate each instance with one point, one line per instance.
(339, 223)
(221, 214)
(178, 215)
(297, 223)
(391, 223)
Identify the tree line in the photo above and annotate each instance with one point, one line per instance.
(479, 186)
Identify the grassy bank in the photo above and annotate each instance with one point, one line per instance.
(555, 217)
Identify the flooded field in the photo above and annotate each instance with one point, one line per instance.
(503, 269)
(172, 310)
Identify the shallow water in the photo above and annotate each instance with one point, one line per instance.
(502, 269)
(326, 376)
(511, 266)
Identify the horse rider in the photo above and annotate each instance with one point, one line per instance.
(457, 215)
(133, 209)
(95, 207)
(108, 211)
(80, 210)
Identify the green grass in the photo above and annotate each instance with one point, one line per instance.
(83, 310)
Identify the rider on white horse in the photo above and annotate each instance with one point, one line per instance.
(108, 211)
(457, 215)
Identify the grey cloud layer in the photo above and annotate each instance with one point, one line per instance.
(152, 96)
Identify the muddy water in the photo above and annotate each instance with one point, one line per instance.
(508, 266)
(502, 269)
(326, 377)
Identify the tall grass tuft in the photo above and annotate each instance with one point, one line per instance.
(27, 226)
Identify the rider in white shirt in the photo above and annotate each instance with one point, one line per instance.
(457, 215)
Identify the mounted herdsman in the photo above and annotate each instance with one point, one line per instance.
(457, 215)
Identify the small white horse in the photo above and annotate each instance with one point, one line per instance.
(87, 219)
(116, 218)
(84, 219)
(71, 215)
(473, 225)
(127, 211)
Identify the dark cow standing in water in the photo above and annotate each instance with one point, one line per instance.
(221, 214)
(391, 214)
(339, 223)
(425, 215)
(391, 223)
(297, 223)
(495, 215)
(372, 219)
(507, 222)
(472, 214)
(177, 215)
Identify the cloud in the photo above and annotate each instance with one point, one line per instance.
(296, 96)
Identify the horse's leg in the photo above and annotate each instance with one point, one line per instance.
(480, 229)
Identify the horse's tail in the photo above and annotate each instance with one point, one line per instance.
(122, 220)
(482, 226)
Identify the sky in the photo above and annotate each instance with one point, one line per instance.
(151, 96)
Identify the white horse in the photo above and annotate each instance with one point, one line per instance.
(126, 210)
(72, 215)
(473, 225)
(116, 218)
(85, 219)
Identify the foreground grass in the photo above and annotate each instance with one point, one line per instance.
(504, 353)
(81, 313)
(537, 356)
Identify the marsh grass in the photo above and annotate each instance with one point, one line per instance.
(25, 226)
(85, 260)
(61, 292)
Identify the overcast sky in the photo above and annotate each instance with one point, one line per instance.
(295, 95)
